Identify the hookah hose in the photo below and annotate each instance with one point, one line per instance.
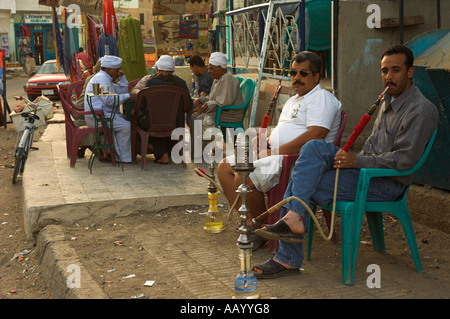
(268, 115)
(356, 132)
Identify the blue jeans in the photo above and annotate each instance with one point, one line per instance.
(313, 179)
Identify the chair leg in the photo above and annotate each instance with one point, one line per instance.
(144, 142)
(327, 216)
(375, 221)
(405, 218)
(346, 245)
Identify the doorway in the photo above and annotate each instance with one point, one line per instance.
(38, 44)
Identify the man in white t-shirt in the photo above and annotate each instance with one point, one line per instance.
(313, 113)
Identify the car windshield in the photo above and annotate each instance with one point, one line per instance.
(49, 68)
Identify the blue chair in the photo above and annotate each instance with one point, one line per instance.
(247, 88)
(352, 215)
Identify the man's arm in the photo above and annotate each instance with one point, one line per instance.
(294, 146)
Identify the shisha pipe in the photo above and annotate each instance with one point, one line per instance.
(356, 132)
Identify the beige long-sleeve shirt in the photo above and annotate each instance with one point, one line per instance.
(225, 91)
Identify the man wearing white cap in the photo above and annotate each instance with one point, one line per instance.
(225, 91)
(163, 145)
(110, 71)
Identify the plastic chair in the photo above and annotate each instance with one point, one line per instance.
(319, 12)
(276, 194)
(77, 87)
(74, 133)
(240, 78)
(247, 88)
(163, 104)
(128, 105)
(352, 215)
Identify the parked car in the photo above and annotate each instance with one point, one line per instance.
(45, 80)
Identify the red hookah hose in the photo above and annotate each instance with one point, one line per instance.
(362, 122)
(268, 115)
(356, 131)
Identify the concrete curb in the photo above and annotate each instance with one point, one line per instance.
(61, 266)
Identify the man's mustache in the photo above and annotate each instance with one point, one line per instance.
(299, 82)
(390, 83)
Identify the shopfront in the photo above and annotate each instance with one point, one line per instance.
(35, 34)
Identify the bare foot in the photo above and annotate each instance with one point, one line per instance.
(295, 222)
(164, 159)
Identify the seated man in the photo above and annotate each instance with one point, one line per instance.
(199, 68)
(162, 145)
(313, 113)
(204, 79)
(404, 125)
(110, 71)
(225, 91)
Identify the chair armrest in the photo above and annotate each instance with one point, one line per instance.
(385, 172)
(98, 112)
(231, 107)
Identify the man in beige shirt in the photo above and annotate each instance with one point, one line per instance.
(225, 91)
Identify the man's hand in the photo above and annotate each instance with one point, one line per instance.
(344, 159)
(197, 104)
(203, 108)
(133, 96)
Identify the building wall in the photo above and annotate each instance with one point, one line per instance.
(359, 49)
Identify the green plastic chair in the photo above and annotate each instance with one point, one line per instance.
(352, 215)
(319, 12)
(247, 88)
(240, 78)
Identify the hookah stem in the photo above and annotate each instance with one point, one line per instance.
(268, 115)
(356, 131)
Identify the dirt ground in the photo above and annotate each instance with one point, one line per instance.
(109, 246)
(19, 276)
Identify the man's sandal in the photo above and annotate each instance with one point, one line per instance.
(272, 269)
(279, 231)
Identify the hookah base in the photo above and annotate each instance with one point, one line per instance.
(214, 228)
(246, 286)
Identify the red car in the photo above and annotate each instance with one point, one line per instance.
(45, 80)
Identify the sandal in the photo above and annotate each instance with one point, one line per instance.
(256, 240)
(279, 231)
(272, 269)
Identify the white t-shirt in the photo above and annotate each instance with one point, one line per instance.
(316, 108)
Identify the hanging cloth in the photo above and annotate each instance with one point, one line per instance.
(71, 66)
(131, 48)
(92, 38)
(57, 41)
(109, 18)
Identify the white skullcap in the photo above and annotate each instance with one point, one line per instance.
(165, 63)
(111, 61)
(218, 59)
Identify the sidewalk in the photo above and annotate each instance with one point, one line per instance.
(191, 263)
